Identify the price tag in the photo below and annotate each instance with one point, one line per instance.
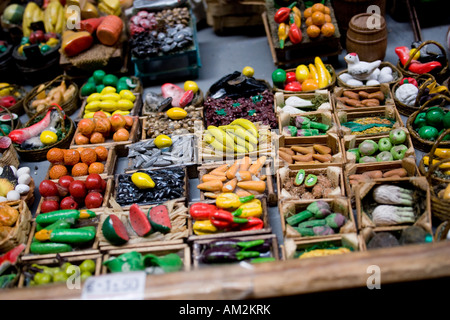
(119, 286)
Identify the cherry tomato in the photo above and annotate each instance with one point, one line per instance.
(290, 76)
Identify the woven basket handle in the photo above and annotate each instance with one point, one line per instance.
(47, 85)
(432, 100)
(411, 56)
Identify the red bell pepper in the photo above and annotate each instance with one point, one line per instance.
(7, 101)
(202, 211)
(295, 34)
(253, 223)
(409, 80)
(282, 14)
(223, 219)
(290, 76)
(415, 66)
(293, 86)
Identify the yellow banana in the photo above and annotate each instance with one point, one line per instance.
(221, 136)
(244, 134)
(240, 141)
(48, 20)
(248, 125)
(59, 28)
(213, 142)
(28, 17)
(322, 72)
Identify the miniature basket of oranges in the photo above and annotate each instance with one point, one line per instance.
(319, 21)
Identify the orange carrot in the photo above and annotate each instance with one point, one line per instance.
(244, 175)
(210, 177)
(259, 186)
(245, 163)
(230, 185)
(242, 193)
(231, 171)
(256, 167)
(212, 186)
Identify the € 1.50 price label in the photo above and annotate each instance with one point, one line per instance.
(121, 286)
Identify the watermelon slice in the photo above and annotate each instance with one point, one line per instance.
(139, 221)
(173, 91)
(114, 230)
(159, 218)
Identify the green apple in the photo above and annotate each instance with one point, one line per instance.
(398, 152)
(384, 144)
(384, 156)
(368, 148)
(397, 136)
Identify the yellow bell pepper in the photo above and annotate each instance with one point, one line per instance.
(252, 208)
(442, 153)
(283, 32)
(231, 200)
(426, 161)
(203, 227)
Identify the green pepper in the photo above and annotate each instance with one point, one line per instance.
(420, 120)
(434, 116)
(250, 244)
(428, 133)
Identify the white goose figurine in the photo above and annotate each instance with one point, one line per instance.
(360, 70)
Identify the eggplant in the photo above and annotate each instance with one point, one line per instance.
(227, 254)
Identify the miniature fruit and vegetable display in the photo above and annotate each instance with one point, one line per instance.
(243, 177)
(368, 176)
(306, 125)
(13, 14)
(442, 170)
(407, 91)
(317, 153)
(44, 97)
(422, 62)
(229, 213)
(318, 21)
(68, 193)
(322, 250)
(305, 77)
(109, 100)
(100, 79)
(369, 125)
(289, 20)
(431, 123)
(360, 99)
(15, 183)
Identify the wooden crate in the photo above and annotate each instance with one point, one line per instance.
(268, 170)
(307, 49)
(120, 145)
(338, 92)
(110, 164)
(58, 261)
(183, 199)
(422, 205)
(330, 140)
(280, 97)
(20, 229)
(333, 173)
(179, 232)
(182, 250)
(337, 205)
(199, 245)
(226, 234)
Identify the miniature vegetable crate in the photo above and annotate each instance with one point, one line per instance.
(329, 140)
(106, 194)
(324, 117)
(135, 111)
(110, 165)
(20, 230)
(183, 197)
(198, 246)
(293, 248)
(388, 112)
(178, 213)
(350, 169)
(396, 73)
(58, 261)
(319, 95)
(120, 145)
(340, 92)
(182, 250)
(333, 173)
(267, 228)
(337, 205)
(267, 170)
(365, 202)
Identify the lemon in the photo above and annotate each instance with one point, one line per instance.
(301, 73)
(6, 91)
(111, 96)
(108, 105)
(190, 85)
(127, 95)
(108, 89)
(176, 113)
(124, 104)
(122, 112)
(163, 141)
(142, 180)
(92, 106)
(94, 97)
(248, 71)
(48, 137)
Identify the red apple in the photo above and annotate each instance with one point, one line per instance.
(78, 189)
(65, 181)
(49, 206)
(68, 203)
(48, 188)
(40, 36)
(94, 182)
(93, 200)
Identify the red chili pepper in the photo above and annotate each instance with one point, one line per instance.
(7, 101)
(410, 80)
(415, 66)
(290, 76)
(222, 219)
(282, 14)
(202, 211)
(253, 223)
(293, 86)
(295, 34)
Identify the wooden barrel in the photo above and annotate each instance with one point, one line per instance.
(368, 40)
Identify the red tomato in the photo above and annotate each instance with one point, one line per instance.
(293, 86)
(290, 76)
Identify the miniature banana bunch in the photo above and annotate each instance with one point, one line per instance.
(54, 17)
(240, 136)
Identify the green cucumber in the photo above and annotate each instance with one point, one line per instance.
(305, 232)
(51, 217)
(79, 235)
(299, 217)
(60, 224)
(312, 223)
(49, 247)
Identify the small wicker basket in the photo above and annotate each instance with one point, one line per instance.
(21, 229)
(395, 73)
(440, 207)
(433, 178)
(9, 156)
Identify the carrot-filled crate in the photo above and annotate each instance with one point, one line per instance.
(81, 162)
(89, 192)
(143, 226)
(362, 99)
(65, 233)
(314, 248)
(392, 147)
(145, 187)
(357, 173)
(57, 270)
(317, 218)
(393, 202)
(295, 103)
(152, 260)
(117, 130)
(310, 183)
(319, 151)
(245, 176)
(368, 123)
(227, 216)
(225, 251)
(306, 124)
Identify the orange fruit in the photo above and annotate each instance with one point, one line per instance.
(102, 125)
(88, 156)
(310, 85)
(318, 7)
(308, 12)
(121, 135)
(55, 156)
(86, 126)
(96, 167)
(81, 139)
(71, 157)
(318, 18)
(80, 169)
(313, 31)
(102, 153)
(117, 121)
(327, 18)
(57, 171)
(129, 121)
(99, 114)
(308, 21)
(326, 10)
(327, 29)
(97, 137)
